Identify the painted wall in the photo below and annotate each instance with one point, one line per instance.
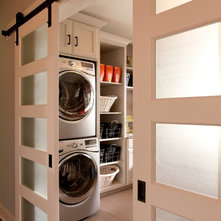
(8, 10)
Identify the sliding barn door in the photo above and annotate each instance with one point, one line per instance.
(36, 119)
(177, 104)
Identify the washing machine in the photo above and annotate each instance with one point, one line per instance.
(77, 98)
(79, 194)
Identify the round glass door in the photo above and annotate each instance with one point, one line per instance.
(77, 178)
(76, 96)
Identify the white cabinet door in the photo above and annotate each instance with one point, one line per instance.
(85, 40)
(65, 37)
(36, 119)
(129, 161)
(130, 166)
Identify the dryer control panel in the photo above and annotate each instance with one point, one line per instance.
(70, 63)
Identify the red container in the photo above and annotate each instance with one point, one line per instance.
(102, 68)
(116, 75)
(108, 73)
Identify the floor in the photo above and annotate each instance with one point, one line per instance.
(116, 207)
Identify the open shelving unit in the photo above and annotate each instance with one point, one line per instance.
(113, 52)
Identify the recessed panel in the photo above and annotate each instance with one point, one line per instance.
(34, 45)
(31, 212)
(187, 157)
(162, 215)
(34, 176)
(34, 89)
(188, 63)
(164, 5)
(34, 133)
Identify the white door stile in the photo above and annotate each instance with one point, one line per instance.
(148, 27)
(49, 111)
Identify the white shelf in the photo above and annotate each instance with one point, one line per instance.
(129, 68)
(110, 163)
(130, 88)
(110, 139)
(105, 83)
(110, 112)
(113, 186)
(129, 135)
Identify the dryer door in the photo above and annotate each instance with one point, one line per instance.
(77, 178)
(76, 95)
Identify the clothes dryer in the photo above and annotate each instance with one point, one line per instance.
(77, 98)
(78, 179)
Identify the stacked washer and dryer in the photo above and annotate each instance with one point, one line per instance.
(78, 146)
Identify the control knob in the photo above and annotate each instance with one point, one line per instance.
(71, 63)
(74, 145)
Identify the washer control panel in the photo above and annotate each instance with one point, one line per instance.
(90, 144)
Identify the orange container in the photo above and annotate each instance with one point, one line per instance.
(116, 75)
(108, 73)
(102, 68)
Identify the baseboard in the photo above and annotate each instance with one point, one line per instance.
(116, 190)
(5, 215)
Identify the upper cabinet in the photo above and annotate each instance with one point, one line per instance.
(78, 39)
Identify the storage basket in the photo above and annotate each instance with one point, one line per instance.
(107, 175)
(106, 102)
(109, 153)
(110, 130)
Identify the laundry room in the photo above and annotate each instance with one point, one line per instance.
(96, 112)
(82, 139)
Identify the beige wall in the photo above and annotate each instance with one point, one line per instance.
(8, 10)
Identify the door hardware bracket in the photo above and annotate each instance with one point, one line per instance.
(21, 19)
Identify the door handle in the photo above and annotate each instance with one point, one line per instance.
(69, 39)
(76, 41)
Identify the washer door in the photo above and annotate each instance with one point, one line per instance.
(77, 178)
(76, 95)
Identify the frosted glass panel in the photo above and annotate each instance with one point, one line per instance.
(34, 133)
(162, 215)
(188, 64)
(164, 5)
(34, 176)
(34, 45)
(31, 212)
(34, 89)
(187, 157)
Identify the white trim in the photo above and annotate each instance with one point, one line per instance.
(71, 7)
(89, 20)
(111, 37)
(5, 215)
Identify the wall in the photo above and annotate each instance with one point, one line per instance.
(8, 10)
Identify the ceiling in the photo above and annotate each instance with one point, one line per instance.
(118, 14)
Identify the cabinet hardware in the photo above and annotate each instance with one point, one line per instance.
(69, 39)
(76, 40)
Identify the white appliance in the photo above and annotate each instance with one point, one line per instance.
(77, 98)
(79, 194)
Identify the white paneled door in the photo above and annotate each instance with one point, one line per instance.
(177, 103)
(36, 119)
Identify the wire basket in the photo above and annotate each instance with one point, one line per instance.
(107, 175)
(106, 102)
(109, 153)
(110, 130)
